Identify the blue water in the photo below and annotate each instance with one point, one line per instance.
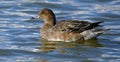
(20, 35)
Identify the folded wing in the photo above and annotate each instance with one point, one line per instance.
(74, 26)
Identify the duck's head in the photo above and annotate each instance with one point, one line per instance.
(47, 16)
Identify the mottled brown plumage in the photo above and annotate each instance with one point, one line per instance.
(67, 30)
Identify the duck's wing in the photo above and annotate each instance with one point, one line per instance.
(74, 26)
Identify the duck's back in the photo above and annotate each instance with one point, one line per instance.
(73, 26)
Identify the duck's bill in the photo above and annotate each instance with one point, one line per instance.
(37, 17)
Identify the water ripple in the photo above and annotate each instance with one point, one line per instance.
(20, 35)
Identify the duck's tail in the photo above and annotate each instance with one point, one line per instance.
(94, 31)
(93, 25)
(97, 32)
(97, 23)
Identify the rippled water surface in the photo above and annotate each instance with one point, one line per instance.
(20, 35)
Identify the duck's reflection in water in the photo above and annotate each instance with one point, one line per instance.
(49, 46)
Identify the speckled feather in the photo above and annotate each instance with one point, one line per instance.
(74, 26)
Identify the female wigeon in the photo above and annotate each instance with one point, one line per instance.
(67, 30)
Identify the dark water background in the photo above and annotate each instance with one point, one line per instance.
(20, 38)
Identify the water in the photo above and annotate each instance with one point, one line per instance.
(20, 36)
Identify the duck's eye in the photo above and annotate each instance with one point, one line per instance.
(43, 12)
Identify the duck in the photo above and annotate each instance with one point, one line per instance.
(67, 30)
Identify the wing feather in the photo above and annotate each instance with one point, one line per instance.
(74, 26)
(71, 26)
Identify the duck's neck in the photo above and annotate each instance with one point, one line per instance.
(50, 22)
